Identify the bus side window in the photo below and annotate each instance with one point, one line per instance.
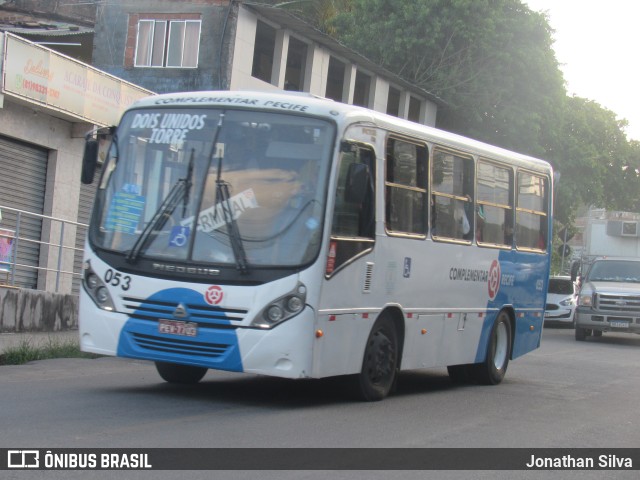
(406, 187)
(355, 217)
(494, 213)
(452, 201)
(531, 212)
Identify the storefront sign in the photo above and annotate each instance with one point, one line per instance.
(43, 76)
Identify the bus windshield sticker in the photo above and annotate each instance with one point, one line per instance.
(179, 236)
(124, 212)
(168, 128)
(132, 188)
(212, 218)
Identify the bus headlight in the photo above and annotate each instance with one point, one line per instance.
(282, 308)
(275, 314)
(295, 304)
(93, 282)
(96, 289)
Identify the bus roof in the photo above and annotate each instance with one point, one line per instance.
(301, 102)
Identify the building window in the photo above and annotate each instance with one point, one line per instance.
(264, 52)
(362, 89)
(296, 65)
(168, 43)
(414, 110)
(393, 102)
(406, 187)
(335, 80)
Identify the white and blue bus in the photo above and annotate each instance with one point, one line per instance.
(286, 235)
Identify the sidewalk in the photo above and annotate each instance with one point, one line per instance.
(36, 339)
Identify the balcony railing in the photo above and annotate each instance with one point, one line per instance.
(40, 252)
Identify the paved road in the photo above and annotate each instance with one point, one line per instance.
(566, 394)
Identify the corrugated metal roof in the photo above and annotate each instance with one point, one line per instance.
(22, 24)
(45, 32)
(299, 26)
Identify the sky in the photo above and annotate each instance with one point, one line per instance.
(597, 43)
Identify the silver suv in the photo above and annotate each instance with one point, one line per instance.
(609, 299)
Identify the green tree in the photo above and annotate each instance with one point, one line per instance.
(597, 164)
(490, 60)
(493, 63)
(320, 13)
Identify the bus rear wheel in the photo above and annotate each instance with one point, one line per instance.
(380, 363)
(183, 374)
(494, 368)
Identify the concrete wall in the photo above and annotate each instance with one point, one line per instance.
(23, 310)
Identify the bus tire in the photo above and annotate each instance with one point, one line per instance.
(380, 362)
(183, 374)
(494, 367)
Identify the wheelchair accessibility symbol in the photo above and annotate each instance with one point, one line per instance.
(179, 236)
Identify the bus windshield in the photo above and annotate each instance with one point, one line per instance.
(234, 187)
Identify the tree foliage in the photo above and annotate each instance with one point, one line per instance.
(492, 62)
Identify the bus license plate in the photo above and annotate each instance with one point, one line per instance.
(618, 324)
(173, 327)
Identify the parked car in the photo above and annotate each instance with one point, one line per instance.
(562, 297)
(609, 299)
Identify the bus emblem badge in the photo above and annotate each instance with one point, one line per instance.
(181, 311)
(494, 279)
(213, 295)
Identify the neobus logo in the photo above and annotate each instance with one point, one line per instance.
(165, 267)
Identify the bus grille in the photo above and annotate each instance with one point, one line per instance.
(619, 303)
(179, 346)
(203, 315)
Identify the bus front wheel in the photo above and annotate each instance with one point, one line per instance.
(380, 363)
(184, 374)
(493, 369)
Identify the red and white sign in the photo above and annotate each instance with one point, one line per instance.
(494, 279)
(213, 295)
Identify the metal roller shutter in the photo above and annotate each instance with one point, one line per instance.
(24, 174)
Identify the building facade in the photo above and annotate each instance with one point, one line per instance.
(50, 97)
(170, 45)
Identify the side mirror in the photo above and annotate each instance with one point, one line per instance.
(358, 178)
(89, 161)
(575, 271)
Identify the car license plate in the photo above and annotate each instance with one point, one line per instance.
(173, 327)
(618, 324)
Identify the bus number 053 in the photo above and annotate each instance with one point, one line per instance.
(117, 279)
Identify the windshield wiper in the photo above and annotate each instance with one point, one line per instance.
(188, 183)
(180, 191)
(223, 199)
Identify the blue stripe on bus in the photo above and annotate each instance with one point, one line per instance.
(212, 347)
(522, 273)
